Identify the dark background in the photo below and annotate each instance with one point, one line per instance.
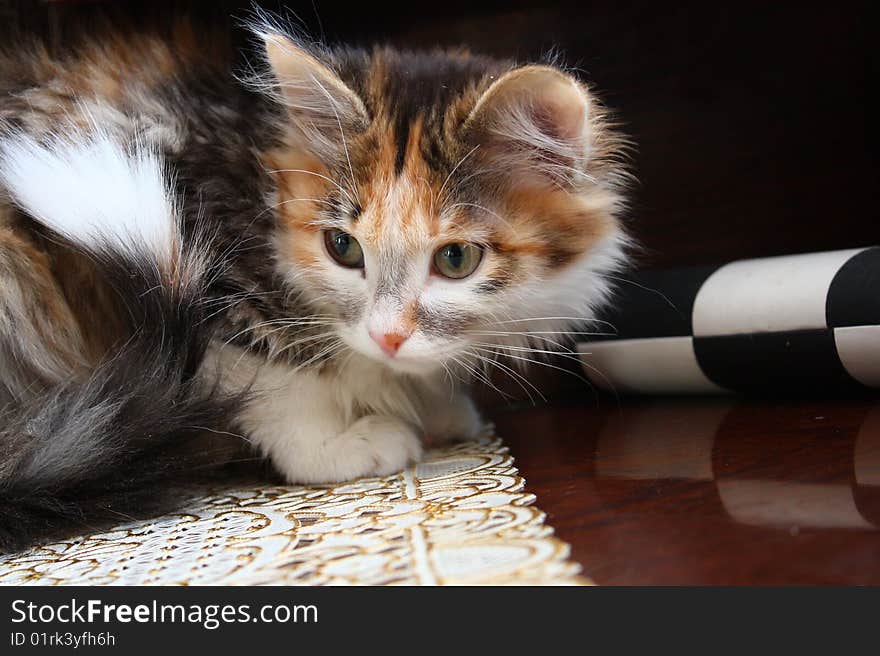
(753, 123)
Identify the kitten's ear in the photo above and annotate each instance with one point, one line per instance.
(320, 103)
(534, 124)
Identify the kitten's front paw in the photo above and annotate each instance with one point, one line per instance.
(459, 421)
(372, 446)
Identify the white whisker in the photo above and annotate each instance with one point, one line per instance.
(317, 175)
(341, 135)
(452, 172)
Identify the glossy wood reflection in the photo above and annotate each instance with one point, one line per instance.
(709, 491)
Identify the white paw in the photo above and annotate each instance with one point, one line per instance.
(372, 446)
(486, 432)
(458, 421)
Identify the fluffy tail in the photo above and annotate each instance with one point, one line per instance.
(87, 449)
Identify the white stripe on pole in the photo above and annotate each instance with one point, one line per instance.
(767, 295)
(858, 348)
(664, 365)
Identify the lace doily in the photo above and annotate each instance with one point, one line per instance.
(459, 517)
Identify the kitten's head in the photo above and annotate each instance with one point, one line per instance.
(436, 205)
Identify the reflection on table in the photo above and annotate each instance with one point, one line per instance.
(677, 491)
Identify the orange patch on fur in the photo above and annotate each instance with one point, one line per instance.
(302, 183)
(305, 251)
(32, 294)
(555, 225)
(409, 319)
(400, 202)
(376, 188)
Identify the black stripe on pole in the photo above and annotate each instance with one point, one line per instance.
(803, 361)
(854, 295)
(655, 303)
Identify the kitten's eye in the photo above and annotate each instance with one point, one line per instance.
(457, 260)
(344, 248)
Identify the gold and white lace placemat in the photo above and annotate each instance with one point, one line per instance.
(459, 517)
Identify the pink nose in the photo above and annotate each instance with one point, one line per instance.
(389, 342)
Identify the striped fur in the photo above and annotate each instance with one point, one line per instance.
(80, 443)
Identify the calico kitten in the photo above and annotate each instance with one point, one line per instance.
(311, 255)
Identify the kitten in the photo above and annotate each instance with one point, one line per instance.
(312, 256)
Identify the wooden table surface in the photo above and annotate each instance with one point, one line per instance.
(708, 491)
